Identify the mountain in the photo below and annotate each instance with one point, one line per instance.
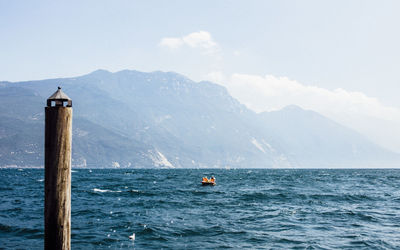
(163, 119)
(313, 140)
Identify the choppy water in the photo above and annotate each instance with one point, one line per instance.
(313, 209)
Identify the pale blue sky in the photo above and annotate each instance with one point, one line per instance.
(351, 45)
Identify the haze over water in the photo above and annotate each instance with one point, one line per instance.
(248, 208)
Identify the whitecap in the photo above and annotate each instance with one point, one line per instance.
(105, 190)
(40, 180)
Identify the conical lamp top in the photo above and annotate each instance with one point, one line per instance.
(58, 98)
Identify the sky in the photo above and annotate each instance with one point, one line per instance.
(340, 58)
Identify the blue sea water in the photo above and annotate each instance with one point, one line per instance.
(248, 208)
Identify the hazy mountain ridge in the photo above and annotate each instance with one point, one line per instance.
(163, 119)
(315, 139)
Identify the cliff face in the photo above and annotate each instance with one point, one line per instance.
(158, 119)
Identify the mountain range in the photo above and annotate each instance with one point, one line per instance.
(135, 119)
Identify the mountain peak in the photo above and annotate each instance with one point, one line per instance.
(295, 110)
(144, 115)
(100, 72)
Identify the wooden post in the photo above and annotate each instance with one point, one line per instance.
(57, 204)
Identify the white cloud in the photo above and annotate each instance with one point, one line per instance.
(271, 93)
(201, 39)
(198, 40)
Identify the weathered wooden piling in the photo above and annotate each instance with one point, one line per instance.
(58, 139)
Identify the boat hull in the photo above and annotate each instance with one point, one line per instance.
(204, 183)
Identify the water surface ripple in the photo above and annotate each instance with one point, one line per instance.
(249, 208)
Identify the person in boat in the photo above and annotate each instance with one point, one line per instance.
(212, 179)
(205, 179)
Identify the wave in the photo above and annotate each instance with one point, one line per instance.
(105, 190)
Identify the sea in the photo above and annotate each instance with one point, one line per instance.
(247, 209)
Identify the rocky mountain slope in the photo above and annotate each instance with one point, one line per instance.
(163, 119)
